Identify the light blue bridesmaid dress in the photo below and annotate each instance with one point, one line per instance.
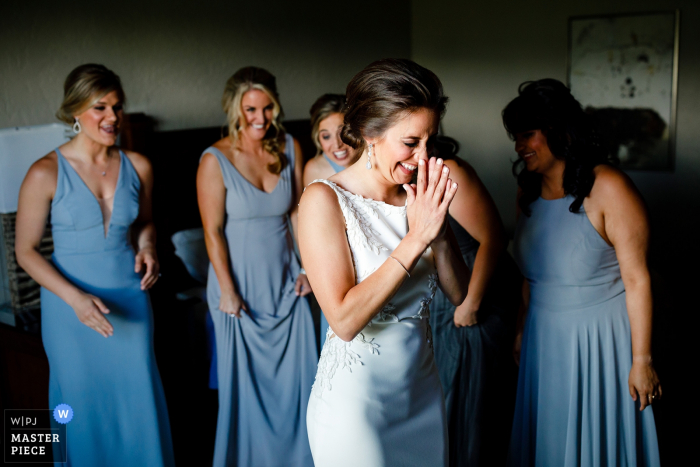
(112, 384)
(266, 358)
(324, 322)
(573, 405)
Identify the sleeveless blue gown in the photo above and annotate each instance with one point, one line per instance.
(113, 385)
(573, 405)
(267, 358)
(324, 322)
(475, 363)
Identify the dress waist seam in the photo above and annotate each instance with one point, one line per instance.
(57, 253)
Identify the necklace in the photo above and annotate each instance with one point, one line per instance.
(109, 158)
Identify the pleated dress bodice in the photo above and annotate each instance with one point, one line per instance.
(565, 260)
(77, 222)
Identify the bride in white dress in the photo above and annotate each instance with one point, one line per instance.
(375, 249)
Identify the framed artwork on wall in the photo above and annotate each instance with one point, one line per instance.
(624, 71)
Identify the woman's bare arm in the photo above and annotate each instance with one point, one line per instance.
(211, 197)
(313, 170)
(453, 273)
(298, 187)
(302, 287)
(474, 209)
(144, 230)
(626, 227)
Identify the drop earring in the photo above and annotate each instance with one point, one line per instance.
(76, 126)
(369, 157)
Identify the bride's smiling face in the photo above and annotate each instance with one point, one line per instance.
(396, 153)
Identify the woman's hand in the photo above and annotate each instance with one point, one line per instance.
(644, 382)
(90, 311)
(466, 314)
(517, 345)
(429, 200)
(148, 257)
(232, 304)
(302, 286)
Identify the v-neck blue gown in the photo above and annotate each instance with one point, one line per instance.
(267, 357)
(112, 384)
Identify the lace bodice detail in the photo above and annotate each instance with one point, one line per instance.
(374, 229)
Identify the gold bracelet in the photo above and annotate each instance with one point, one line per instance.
(404, 267)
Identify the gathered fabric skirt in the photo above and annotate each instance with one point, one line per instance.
(573, 404)
(112, 384)
(266, 362)
(479, 378)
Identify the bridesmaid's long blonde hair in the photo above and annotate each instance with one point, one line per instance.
(237, 85)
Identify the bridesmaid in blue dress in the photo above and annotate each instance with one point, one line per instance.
(332, 154)
(247, 185)
(586, 376)
(97, 323)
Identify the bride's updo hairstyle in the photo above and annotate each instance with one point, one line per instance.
(382, 93)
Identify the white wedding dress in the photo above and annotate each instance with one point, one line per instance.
(377, 400)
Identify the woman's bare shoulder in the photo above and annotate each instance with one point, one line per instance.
(316, 168)
(140, 162)
(223, 145)
(611, 182)
(44, 169)
(319, 207)
(318, 193)
(41, 178)
(461, 170)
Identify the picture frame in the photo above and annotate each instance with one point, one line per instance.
(623, 69)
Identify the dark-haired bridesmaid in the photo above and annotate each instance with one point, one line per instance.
(97, 323)
(584, 345)
(247, 185)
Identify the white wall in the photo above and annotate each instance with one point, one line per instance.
(175, 56)
(482, 51)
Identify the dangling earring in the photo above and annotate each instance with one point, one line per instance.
(76, 126)
(369, 157)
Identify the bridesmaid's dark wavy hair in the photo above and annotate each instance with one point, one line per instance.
(548, 105)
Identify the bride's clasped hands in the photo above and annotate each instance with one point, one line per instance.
(428, 201)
